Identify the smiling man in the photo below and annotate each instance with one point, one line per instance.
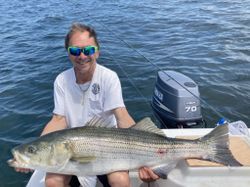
(84, 91)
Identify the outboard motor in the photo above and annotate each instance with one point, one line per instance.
(176, 100)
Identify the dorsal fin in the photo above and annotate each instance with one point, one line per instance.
(147, 125)
(100, 121)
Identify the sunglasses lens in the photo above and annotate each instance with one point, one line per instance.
(88, 51)
(75, 51)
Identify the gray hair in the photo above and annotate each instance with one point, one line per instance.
(78, 27)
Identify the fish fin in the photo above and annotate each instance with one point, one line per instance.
(163, 170)
(83, 159)
(147, 125)
(218, 139)
(101, 120)
(64, 153)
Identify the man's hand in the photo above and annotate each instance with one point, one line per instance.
(23, 170)
(147, 175)
(13, 163)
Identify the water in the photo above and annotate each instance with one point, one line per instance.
(207, 41)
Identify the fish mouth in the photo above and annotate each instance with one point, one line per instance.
(19, 160)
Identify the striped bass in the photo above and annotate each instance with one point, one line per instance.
(95, 150)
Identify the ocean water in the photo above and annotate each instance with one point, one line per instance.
(209, 41)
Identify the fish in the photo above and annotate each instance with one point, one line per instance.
(95, 149)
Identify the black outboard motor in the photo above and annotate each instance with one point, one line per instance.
(176, 100)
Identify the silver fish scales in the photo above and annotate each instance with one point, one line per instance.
(94, 149)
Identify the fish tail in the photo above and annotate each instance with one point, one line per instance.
(218, 139)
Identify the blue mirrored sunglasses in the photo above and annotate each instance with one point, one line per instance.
(87, 51)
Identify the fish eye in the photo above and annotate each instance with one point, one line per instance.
(31, 149)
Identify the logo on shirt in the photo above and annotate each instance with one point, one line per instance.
(95, 88)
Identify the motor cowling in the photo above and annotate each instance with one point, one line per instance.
(176, 100)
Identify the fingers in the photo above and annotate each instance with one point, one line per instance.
(147, 175)
(152, 174)
(13, 163)
(23, 170)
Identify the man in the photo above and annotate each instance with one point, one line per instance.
(84, 91)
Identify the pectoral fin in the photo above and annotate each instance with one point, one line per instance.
(163, 170)
(83, 159)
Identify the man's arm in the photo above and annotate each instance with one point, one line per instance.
(124, 120)
(56, 123)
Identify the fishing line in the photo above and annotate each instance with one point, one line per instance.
(160, 69)
(137, 90)
(129, 79)
(153, 64)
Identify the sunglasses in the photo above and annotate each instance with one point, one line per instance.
(87, 51)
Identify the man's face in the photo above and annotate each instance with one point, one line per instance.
(82, 63)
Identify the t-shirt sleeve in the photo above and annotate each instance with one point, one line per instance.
(113, 94)
(58, 97)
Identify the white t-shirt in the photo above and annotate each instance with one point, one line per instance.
(103, 94)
